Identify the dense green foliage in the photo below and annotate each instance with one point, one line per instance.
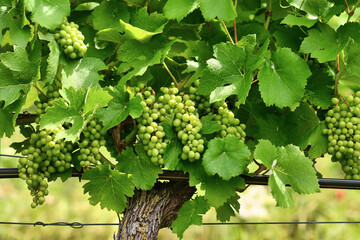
(207, 87)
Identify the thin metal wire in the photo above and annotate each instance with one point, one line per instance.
(12, 156)
(78, 225)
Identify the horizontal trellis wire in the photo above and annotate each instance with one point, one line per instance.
(78, 225)
(252, 180)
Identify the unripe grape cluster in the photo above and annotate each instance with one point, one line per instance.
(187, 125)
(70, 39)
(91, 139)
(151, 133)
(46, 101)
(44, 156)
(343, 132)
(230, 126)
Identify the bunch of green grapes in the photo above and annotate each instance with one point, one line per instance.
(230, 126)
(44, 156)
(70, 39)
(343, 132)
(46, 101)
(91, 139)
(202, 103)
(151, 133)
(186, 122)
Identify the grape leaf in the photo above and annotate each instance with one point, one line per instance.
(8, 117)
(228, 209)
(144, 26)
(174, 9)
(319, 88)
(171, 154)
(218, 191)
(323, 43)
(109, 14)
(136, 57)
(234, 65)
(108, 187)
(189, 214)
(289, 166)
(76, 111)
(19, 63)
(285, 78)
(52, 62)
(139, 166)
(292, 20)
(82, 73)
(119, 108)
(209, 125)
(222, 9)
(305, 129)
(48, 13)
(227, 157)
(96, 98)
(19, 33)
(289, 37)
(315, 8)
(16, 75)
(196, 171)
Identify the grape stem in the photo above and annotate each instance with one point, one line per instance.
(112, 66)
(268, 14)
(41, 92)
(227, 32)
(235, 31)
(171, 75)
(113, 54)
(131, 3)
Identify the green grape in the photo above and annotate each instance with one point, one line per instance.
(344, 141)
(70, 39)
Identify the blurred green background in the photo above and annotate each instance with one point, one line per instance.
(66, 202)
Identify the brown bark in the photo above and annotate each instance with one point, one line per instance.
(148, 211)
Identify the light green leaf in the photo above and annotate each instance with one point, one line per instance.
(109, 14)
(233, 65)
(285, 78)
(227, 157)
(96, 98)
(119, 108)
(87, 6)
(52, 62)
(82, 73)
(288, 166)
(108, 187)
(144, 26)
(75, 111)
(139, 56)
(175, 9)
(190, 214)
(20, 34)
(266, 152)
(48, 13)
(139, 166)
(222, 9)
(315, 8)
(110, 35)
(292, 20)
(8, 117)
(218, 191)
(59, 114)
(323, 43)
